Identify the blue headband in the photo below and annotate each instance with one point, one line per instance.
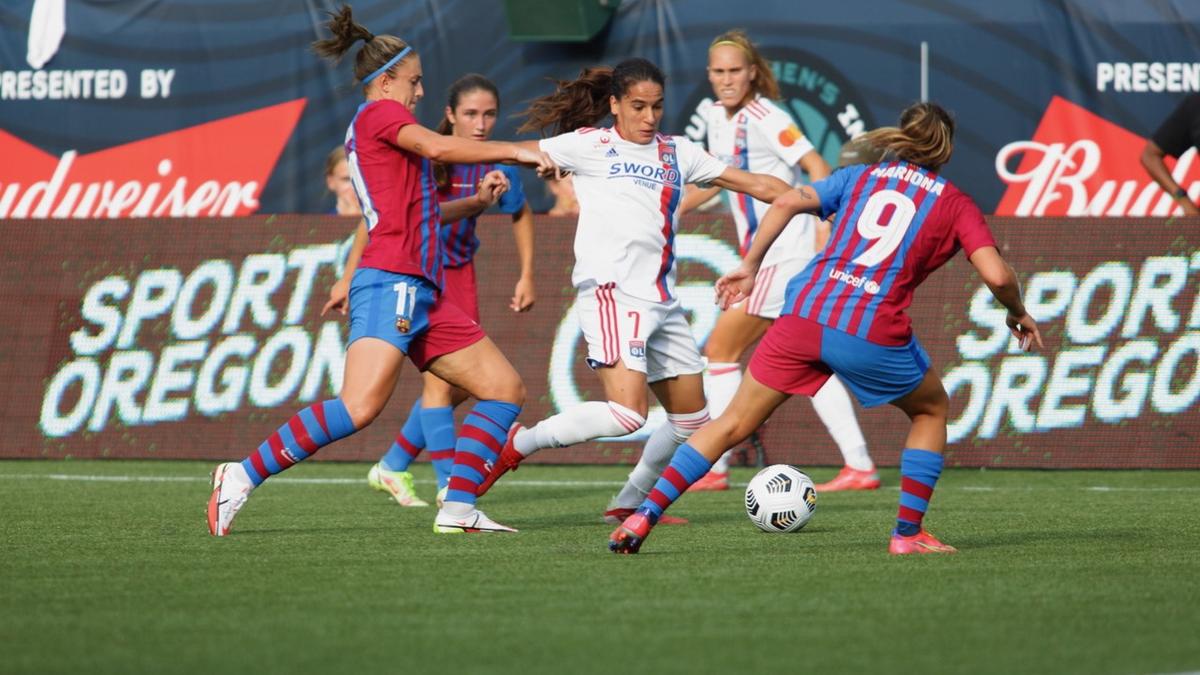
(387, 66)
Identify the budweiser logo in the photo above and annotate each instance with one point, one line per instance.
(212, 169)
(1080, 164)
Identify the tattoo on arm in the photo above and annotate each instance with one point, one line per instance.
(806, 192)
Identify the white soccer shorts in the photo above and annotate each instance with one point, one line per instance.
(770, 287)
(649, 337)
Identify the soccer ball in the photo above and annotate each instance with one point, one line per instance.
(780, 498)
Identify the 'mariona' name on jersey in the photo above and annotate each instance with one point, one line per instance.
(905, 174)
(656, 174)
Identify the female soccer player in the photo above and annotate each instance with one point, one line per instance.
(747, 130)
(897, 221)
(396, 309)
(629, 179)
(474, 103)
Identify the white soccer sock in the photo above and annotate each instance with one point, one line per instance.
(583, 422)
(833, 406)
(657, 454)
(721, 382)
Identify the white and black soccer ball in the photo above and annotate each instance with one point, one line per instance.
(780, 498)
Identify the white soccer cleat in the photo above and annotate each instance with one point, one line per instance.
(231, 488)
(373, 479)
(475, 521)
(399, 484)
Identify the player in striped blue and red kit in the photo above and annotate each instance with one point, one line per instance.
(396, 308)
(471, 110)
(896, 222)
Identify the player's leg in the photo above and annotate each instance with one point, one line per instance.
(372, 368)
(483, 372)
(439, 399)
(750, 407)
(927, 407)
(390, 474)
(614, 327)
(836, 411)
(786, 362)
(373, 361)
(683, 399)
(900, 375)
(735, 331)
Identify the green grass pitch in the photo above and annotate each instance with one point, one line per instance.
(1059, 572)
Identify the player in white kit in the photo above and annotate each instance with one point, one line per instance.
(746, 129)
(629, 180)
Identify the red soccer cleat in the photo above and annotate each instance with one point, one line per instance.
(629, 535)
(921, 542)
(508, 460)
(617, 516)
(713, 481)
(851, 479)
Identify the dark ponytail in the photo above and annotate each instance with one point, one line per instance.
(377, 51)
(584, 101)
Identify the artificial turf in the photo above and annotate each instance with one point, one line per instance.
(1058, 572)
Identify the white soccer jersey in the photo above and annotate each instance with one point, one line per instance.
(629, 205)
(762, 138)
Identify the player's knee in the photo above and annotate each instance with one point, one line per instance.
(626, 420)
(362, 409)
(720, 350)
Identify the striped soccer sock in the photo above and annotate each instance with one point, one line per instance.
(687, 467)
(483, 434)
(919, 471)
(308, 431)
(408, 444)
(438, 425)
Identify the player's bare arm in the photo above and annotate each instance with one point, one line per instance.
(456, 150)
(737, 285)
(761, 186)
(523, 294)
(1001, 280)
(339, 293)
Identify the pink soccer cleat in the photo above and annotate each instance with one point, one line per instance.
(629, 535)
(508, 460)
(617, 516)
(713, 481)
(921, 542)
(851, 479)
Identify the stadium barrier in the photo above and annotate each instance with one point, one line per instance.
(186, 338)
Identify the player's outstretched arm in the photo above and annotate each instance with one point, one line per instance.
(762, 187)
(455, 150)
(737, 285)
(1002, 281)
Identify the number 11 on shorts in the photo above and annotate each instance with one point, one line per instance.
(406, 300)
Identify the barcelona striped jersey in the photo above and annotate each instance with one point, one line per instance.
(397, 193)
(895, 224)
(459, 242)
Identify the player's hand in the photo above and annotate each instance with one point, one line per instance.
(339, 297)
(1189, 207)
(735, 286)
(1025, 329)
(545, 166)
(523, 296)
(491, 187)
